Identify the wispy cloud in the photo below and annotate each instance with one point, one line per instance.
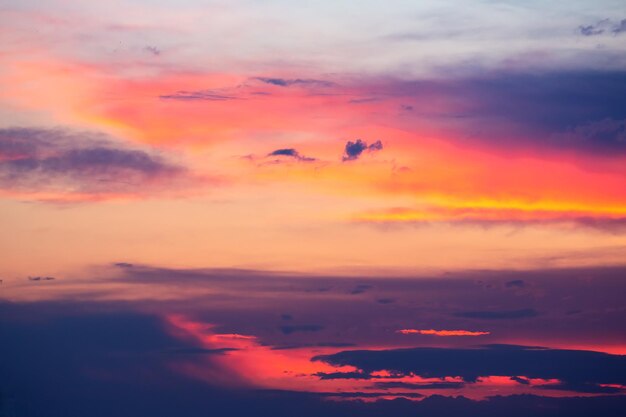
(41, 161)
(444, 333)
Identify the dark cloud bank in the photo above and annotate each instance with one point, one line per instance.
(115, 358)
(77, 360)
(583, 369)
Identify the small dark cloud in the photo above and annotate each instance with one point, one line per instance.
(353, 150)
(360, 289)
(283, 82)
(301, 328)
(342, 375)
(520, 380)
(406, 107)
(603, 26)
(363, 100)
(498, 315)
(516, 283)
(41, 278)
(200, 95)
(590, 30)
(152, 50)
(123, 265)
(291, 153)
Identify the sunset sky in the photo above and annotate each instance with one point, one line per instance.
(334, 207)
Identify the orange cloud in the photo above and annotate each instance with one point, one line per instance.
(434, 332)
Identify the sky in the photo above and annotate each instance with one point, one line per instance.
(324, 207)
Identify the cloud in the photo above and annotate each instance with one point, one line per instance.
(516, 283)
(292, 153)
(498, 315)
(284, 82)
(353, 150)
(153, 50)
(300, 328)
(605, 134)
(320, 344)
(61, 160)
(41, 278)
(602, 27)
(569, 366)
(582, 388)
(342, 375)
(512, 109)
(520, 380)
(619, 27)
(360, 289)
(418, 385)
(590, 30)
(199, 95)
(597, 218)
(443, 333)
(94, 356)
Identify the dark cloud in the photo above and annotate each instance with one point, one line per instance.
(292, 153)
(603, 26)
(386, 300)
(153, 50)
(363, 100)
(520, 380)
(71, 360)
(200, 95)
(41, 278)
(582, 388)
(619, 27)
(360, 289)
(590, 30)
(516, 283)
(102, 358)
(283, 82)
(50, 159)
(300, 328)
(418, 385)
(514, 109)
(353, 150)
(498, 315)
(576, 367)
(343, 375)
(321, 344)
(368, 394)
(123, 265)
